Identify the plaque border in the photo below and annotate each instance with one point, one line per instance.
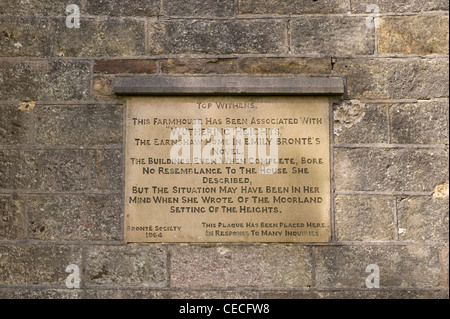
(330, 211)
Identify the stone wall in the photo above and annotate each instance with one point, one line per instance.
(61, 145)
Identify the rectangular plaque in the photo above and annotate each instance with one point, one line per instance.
(227, 169)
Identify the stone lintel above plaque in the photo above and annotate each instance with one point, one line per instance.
(223, 85)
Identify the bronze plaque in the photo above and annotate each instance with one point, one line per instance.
(227, 169)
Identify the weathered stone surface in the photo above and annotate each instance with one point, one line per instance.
(199, 66)
(131, 265)
(145, 8)
(411, 266)
(444, 254)
(50, 293)
(27, 106)
(102, 293)
(24, 37)
(12, 217)
(56, 170)
(125, 66)
(61, 170)
(420, 123)
(61, 218)
(44, 80)
(292, 6)
(106, 169)
(441, 191)
(398, 170)
(102, 88)
(285, 65)
(423, 219)
(354, 294)
(166, 294)
(212, 294)
(16, 169)
(111, 37)
(195, 8)
(241, 266)
(37, 265)
(365, 218)
(61, 164)
(36, 7)
(395, 78)
(220, 36)
(400, 6)
(79, 125)
(332, 36)
(359, 123)
(39, 293)
(414, 35)
(15, 125)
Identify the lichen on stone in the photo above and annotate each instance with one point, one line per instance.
(348, 114)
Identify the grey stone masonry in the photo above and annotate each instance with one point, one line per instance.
(383, 64)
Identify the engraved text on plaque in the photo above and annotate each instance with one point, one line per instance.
(227, 169)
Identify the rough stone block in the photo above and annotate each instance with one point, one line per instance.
(111, 37)
(292, 6)
(12, 217)
(17, 170)
(363, 169)
(166, 294)
(199, 66)
(106, 170)
(15, 125)
(212, 294)
(195, 8)
(420, 123)
(146, 8)
(79, 125)
(411, 266)
(354, 294)
(445, 267)
(241, 266)
(332, 36)
(36, 7)
(388, 78)
(285, 65)
(53, 170)
(423, 219)
(44, 80)
(39, 293)
(102, 88)
(365, 218)
(220, 36)
(24, 37)
(400, 6)
(37, 264)
(72, 218)
(61, 170)
(125, 66)
(359, 123)
(130, 265)
(414, 35)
